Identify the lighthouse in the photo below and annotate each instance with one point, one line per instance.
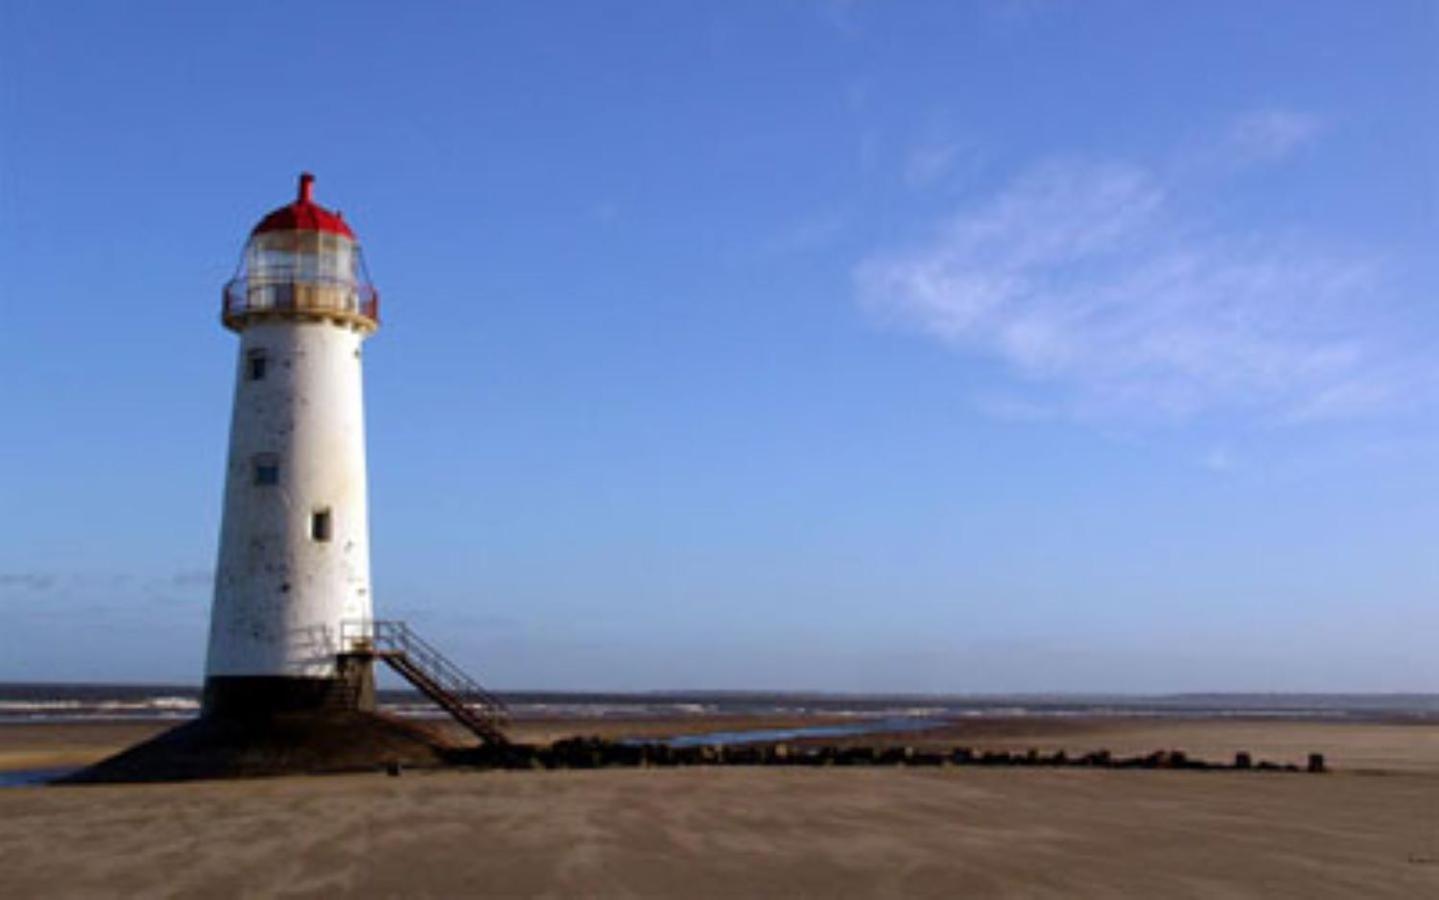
(289, 674)
(292, 580)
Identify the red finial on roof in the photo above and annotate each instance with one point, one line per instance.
(304, 214)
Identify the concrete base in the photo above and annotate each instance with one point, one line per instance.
(284, 743)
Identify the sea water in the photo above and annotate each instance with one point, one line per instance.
(32, 777)
(776, 735)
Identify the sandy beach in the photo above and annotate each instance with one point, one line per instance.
(1370, 828)
(734, 832)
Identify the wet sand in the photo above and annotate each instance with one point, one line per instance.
(1371, 828)
(66, 745)
(52, 745)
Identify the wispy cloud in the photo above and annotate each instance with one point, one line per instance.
(27, 581)
(930, 163)
(1012, 408)
(1270, 135)
(808, 234)
(1218, 459)
(1021, 12)
(191, 578)
(841, 15)
(27, 584)
(946, 161)
(1086, 277)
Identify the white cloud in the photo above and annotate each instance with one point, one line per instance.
(1085, 278)
(1271, 134)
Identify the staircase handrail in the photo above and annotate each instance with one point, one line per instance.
(396, 635)
(437, 665)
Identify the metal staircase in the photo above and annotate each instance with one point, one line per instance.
(430, 672)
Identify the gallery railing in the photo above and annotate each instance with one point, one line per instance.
(248, 296)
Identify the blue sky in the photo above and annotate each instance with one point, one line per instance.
(1009, 346)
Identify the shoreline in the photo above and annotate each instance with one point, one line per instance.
(1368, 746)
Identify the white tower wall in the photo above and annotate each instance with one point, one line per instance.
(281, 589)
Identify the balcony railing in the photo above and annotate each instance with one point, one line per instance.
(245, 297)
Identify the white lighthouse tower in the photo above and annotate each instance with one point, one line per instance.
(293, 577)
(289, 682)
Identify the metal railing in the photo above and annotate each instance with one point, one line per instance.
(243, 296)
(391, 637)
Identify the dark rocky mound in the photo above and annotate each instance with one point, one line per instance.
(278, 744)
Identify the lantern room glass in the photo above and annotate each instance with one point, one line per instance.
(301, 271)
(302, 256)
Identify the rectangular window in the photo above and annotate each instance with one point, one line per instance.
(255, 365)
(320, 525)
(267, 469)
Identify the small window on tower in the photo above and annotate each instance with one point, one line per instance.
(267, 469)
(255, 365)
(320, 525)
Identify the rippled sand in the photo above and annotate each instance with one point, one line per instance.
(732, 832)
(1368, 830)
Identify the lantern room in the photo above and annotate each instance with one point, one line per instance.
(302, 262)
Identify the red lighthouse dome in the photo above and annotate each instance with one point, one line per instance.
(304, 214)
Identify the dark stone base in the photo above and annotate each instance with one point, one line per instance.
(245, 697)
(286, 743)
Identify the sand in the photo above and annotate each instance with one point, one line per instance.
(65, 745)
(1369, 830)
(734, 832)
